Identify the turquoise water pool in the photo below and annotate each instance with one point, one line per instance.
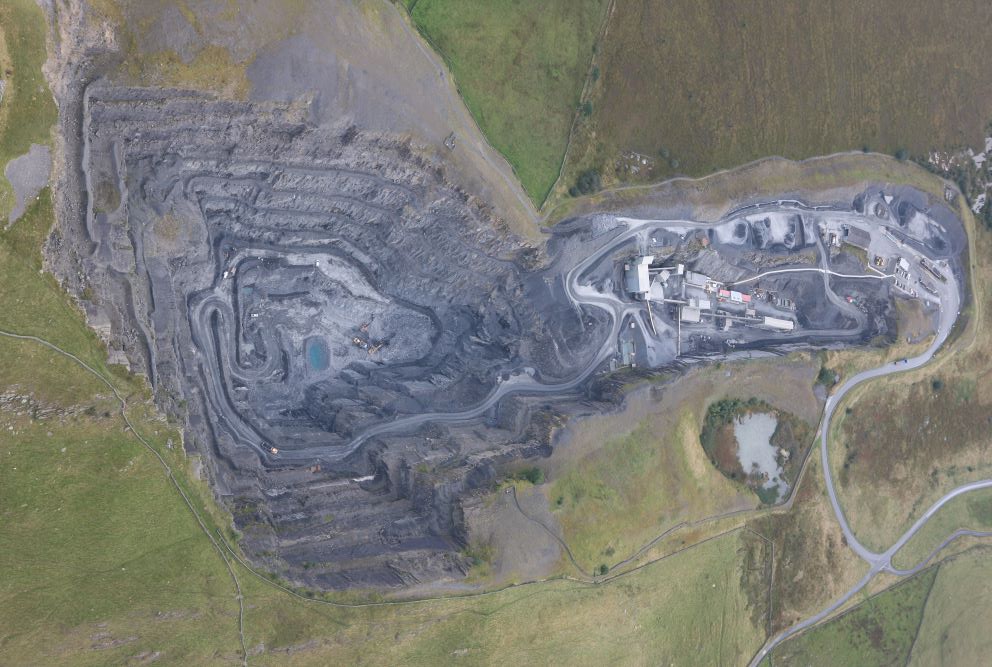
(317, 353)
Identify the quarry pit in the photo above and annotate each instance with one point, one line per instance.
(354, 342)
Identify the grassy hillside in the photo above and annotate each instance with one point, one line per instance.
(101, 560)
(520, 67)
(902, 442)
(622, 479)
(933, 618)
(879, 631)
(27, 112)
(690, 88)
(955, 629)
(691, 603)
(699, 86)
(972, 511)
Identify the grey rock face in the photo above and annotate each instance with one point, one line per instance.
(289, 287)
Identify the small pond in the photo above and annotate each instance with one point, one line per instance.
(317, 353)
(755, 450)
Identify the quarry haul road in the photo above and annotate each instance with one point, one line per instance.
(950, 301)
(583, 295)
(523, 383)
(809, 269)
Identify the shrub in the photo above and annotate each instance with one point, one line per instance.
(587, 183)
(534, 475)
(826, 377)
(767, 496)
(987, 214)
(480, 553)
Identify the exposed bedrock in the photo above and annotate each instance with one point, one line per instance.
(287, 288)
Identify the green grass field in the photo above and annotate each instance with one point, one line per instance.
(28, 110)
(971, 511)
(623, 479)
(880, 631)
(690, 88)
(97, 549)
(520, 67)
(955, 628)
(701, 86)
(688, 604)
(936, 617)
(635, 487)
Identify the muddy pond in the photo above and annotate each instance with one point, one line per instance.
(755, 451)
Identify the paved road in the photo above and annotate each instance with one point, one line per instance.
(950, 301)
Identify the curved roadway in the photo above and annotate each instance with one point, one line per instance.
(950, 301)
(579, 294)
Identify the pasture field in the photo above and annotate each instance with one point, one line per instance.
(520, 67)
(641, 91)
(932, 618)
(955, 630)
(694, 87)
(622, 479)
(27, 112)
(689, 604)
(878, 631)
(971, 511)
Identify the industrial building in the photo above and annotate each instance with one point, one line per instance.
(693, 279)
(778, 324)
(733, 296)
(638, 277)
